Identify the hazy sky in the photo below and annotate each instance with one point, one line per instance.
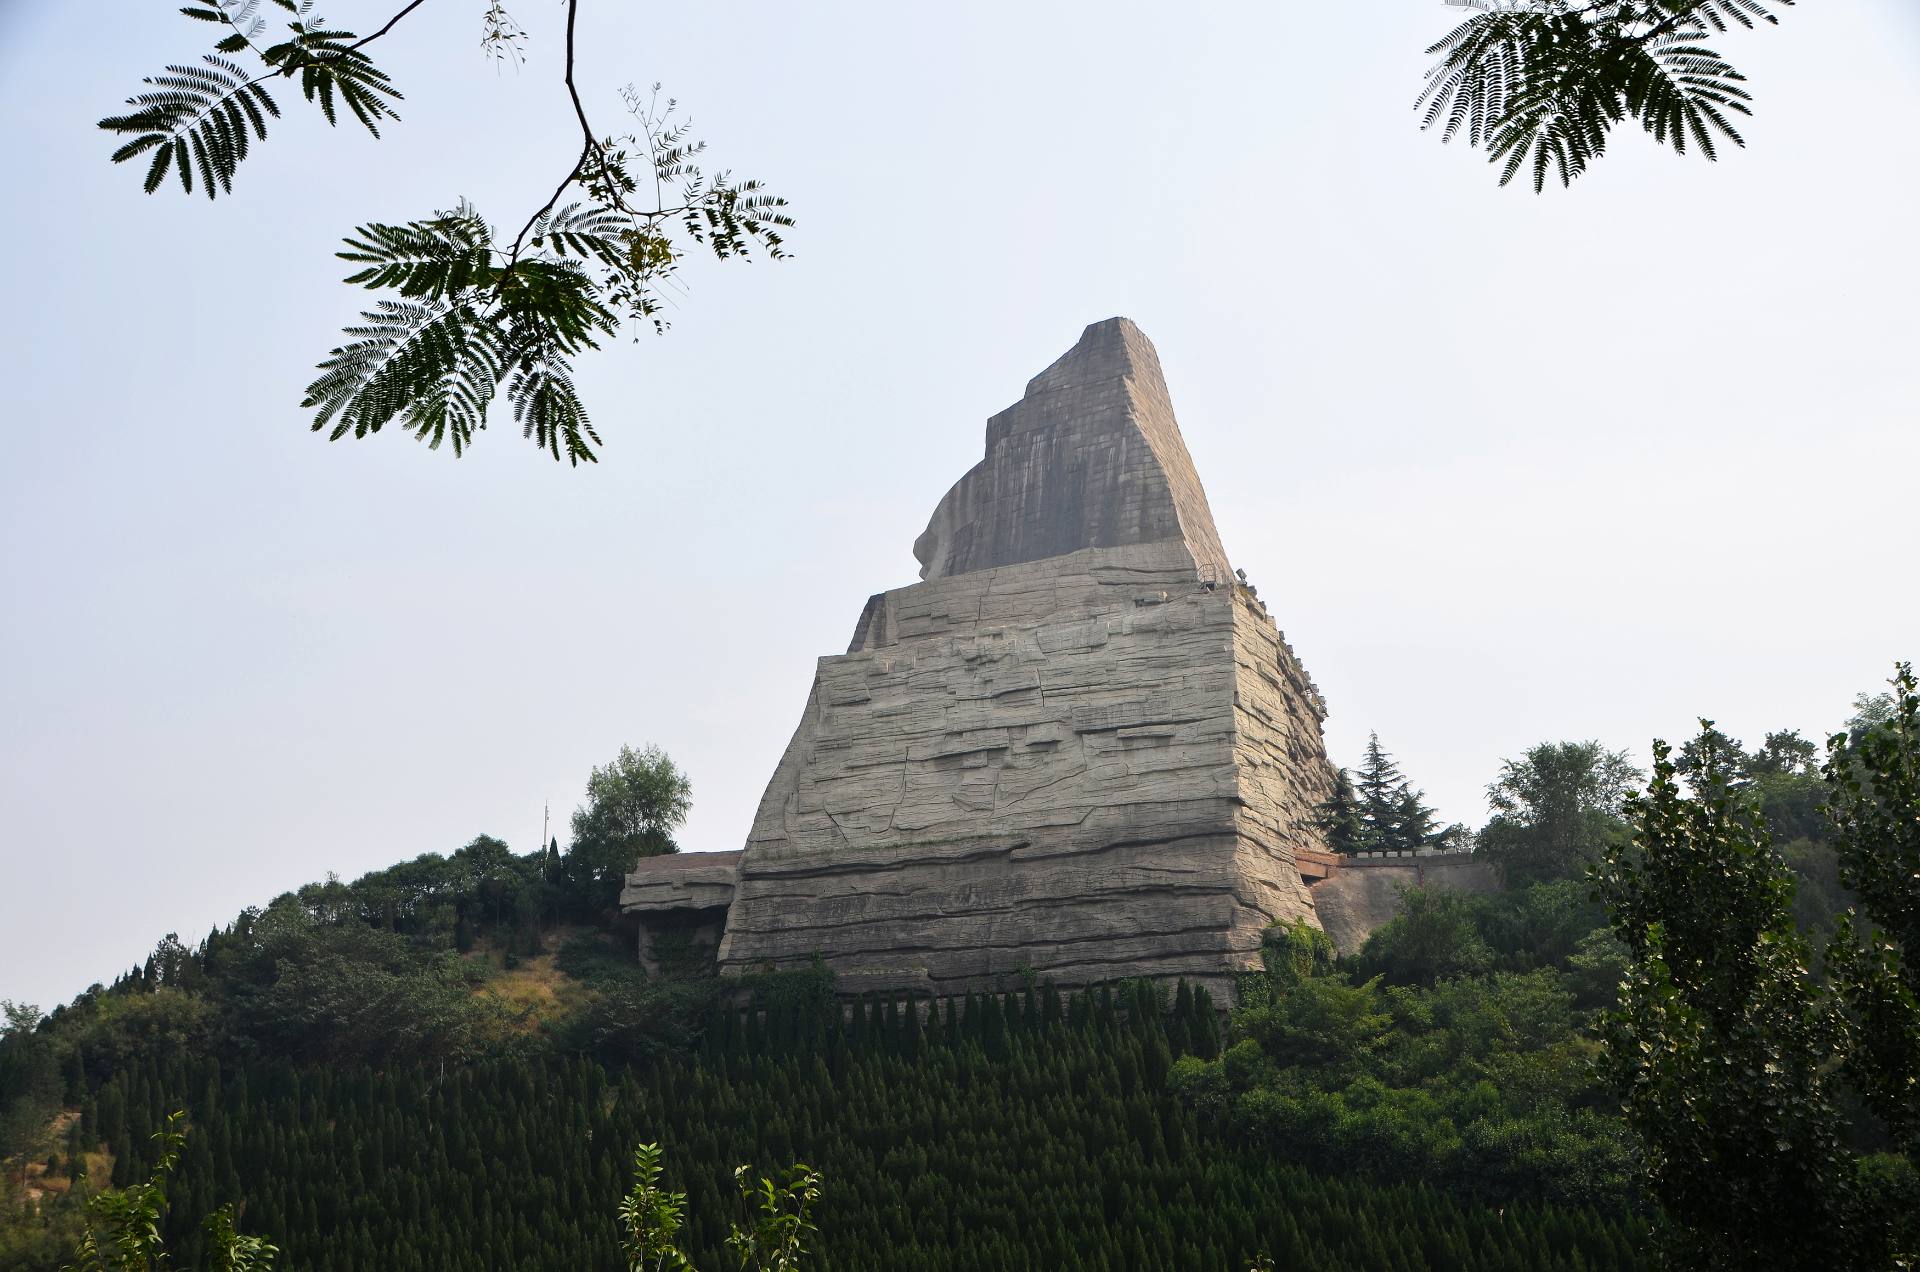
(1505, 468)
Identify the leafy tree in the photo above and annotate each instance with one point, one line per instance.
(1555, 808)
(1734, 1063)
(467, 309)
(652, 1218)
(1784, 754)
(633, 806)
(350, 993)
(1434, 937)
(1720, 1043)
(1874, 778)
(1870, 710)
(1736, 766)
(1478, 1084)
(1540, 84)
(781, 1219)
(1378, 786)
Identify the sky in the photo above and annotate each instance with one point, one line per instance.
(1506, 468)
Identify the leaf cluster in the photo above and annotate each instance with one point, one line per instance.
(1873, 775)
(472, 312)
(1734, 1061)
(1540, 84)
(464, 314)
(202, 118)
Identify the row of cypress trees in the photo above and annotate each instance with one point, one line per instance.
(983, 1133)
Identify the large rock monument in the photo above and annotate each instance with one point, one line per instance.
(1077, 749)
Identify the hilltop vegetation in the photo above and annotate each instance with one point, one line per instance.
(447, 1063)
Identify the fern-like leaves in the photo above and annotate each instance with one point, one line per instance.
(547, 406)
(194, 119)
(199, 120)
(435, 364)
(448, 254)
(1539, 84)
(462, 315)
(330, 67)
(434, 358)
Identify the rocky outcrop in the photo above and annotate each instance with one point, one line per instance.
(1364, 893)
(1077, 749)
(678, 903)
(1090, 457)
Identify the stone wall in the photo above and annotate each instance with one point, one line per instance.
(1364, 893)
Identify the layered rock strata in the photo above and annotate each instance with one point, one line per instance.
(1077, 749)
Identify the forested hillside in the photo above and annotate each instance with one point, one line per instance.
(1029, 1135)
(447, 1065)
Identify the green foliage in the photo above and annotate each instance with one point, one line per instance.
(29, 1076)
(1378, 810)
(1338, 816)
(981, 1134)
(202, 118)
(1555, 809)
(1295, 953)
(349, 993)
(1481, 1084)
(125, 1232)
(634, 804)
(469, 317)
(1541, 83)
(1745, 1079)
(1874, 776)
(1439, 933)
(1720, 1044)
(652, 1218)
(775, 1238)
(1433, 938)
(469, 310)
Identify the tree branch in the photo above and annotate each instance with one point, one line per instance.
(580, 112)
(547, 207)
(391, 23)
(590, 147)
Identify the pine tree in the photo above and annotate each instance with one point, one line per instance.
(1390, 813)
(1378, 789)
(1338, 816)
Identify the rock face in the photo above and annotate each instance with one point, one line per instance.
(1364, 893)
(1089, 458)
(1077, 749)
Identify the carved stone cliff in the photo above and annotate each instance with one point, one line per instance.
(1089, 458)
(1078, 748)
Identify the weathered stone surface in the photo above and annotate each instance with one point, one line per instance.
(681, 881)
(1089, 458)
(1078, 748)
(679, 897)
(1364, 894)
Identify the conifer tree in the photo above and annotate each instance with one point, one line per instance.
(1338, 816)
(1390, 813)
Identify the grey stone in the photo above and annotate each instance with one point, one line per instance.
(1079, 749)
(1089, 458)
(1363, 894)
